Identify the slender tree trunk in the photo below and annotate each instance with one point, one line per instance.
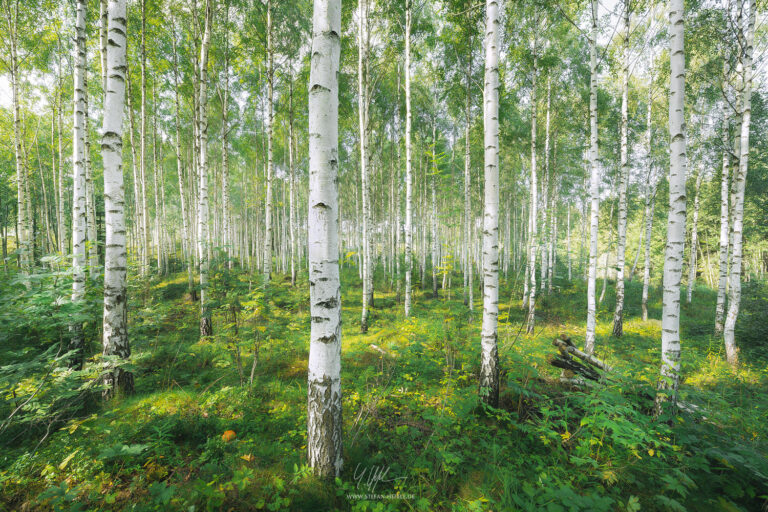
(180, 173)
(145, 241)
(63, 245)
(533, 231)
(724, 231)
(673, 258)
(650, 200)
(594, 188)
(79, 213)
(115, 259)
(546, 203)
(737, 191)
(206, 327)
(618, 314)
(568, 242)
(362, 105)
(267, 263)
(324, 415)
(692, 258)
(292, 177)
(227, 227)
(22, 222)
(408, 171)
(489, 369)
(435, 241)
(468, 269)
(156, 188)
(90, 200)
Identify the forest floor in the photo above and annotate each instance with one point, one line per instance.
(415, 437)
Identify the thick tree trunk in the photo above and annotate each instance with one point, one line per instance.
(489, 369)
(206, 328)
(737, 191)
(115, 258)
(618, 314)
(594, 188)
(673, 258)
(324, 415)
(79, 214)
(408, 170)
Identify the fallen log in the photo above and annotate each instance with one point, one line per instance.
(568, 363)
(565, 346)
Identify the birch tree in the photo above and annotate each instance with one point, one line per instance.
(738, 185)
(324, 415)
(115, 331)
(618, 315)
(724, 235)
(78, 179)
(594, 187)
(692, 261)
(267, 262)
(673, 256)
(408, 171)
(533, 211)
(489, 369)
(206, 328)
(362, 105)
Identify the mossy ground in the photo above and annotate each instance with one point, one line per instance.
(410, 411)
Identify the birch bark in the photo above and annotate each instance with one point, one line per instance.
(79, 213)
(489, 370)
(594, 188)
(673, 258)
(738, 186)
(324, 414)
(618, 314)
(115, 332)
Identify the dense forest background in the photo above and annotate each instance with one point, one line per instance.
(623, 214)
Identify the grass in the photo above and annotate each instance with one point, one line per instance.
(410, 411)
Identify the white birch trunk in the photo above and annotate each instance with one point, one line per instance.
(594, 188)
(187, 235)
(673, 257)
(618, 314)
(692, 257)
(724, 232)
(533, 212)
(737, 191)
(115, 332)
(145, 239)
(206, 328)
(324, 414)
(362, 106)
(408, 170)
(267, 262)
(650, 201)
(468, 273)
(489, 369)
(79, 213)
